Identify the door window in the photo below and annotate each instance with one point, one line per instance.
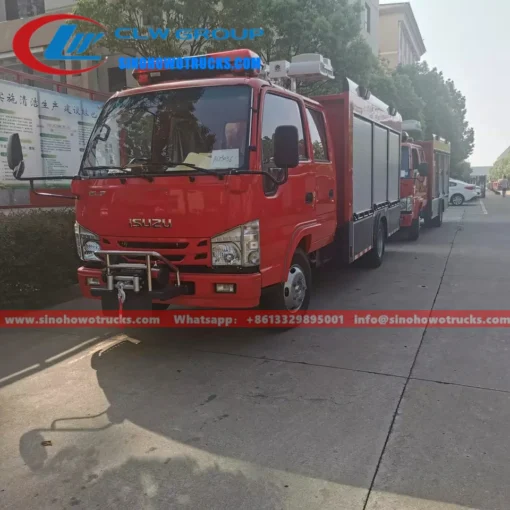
(317, 135)
(279, 111)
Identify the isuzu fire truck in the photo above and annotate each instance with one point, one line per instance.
(424, 182)
(223, 188)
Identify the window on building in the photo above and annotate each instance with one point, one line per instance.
(368, 20)
(317, 135)
(116, 79)
(16, 9)
(400, 43)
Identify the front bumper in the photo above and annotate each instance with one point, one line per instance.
(198, 290)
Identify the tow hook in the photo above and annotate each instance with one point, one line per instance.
(121, 295)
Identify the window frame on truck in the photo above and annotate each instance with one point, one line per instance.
(321, 132)
(270, 188)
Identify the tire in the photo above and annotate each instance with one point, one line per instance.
(374, 258)
(285, 296)
(457, 199)
(438, 220)
(413, 232)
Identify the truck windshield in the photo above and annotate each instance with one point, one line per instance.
(205, 127)
(405, 172)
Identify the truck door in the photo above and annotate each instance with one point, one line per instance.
(324, 171)
(288, 205)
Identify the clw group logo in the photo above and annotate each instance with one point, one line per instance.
(67, 44)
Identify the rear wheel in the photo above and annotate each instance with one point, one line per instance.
(375, 256)
(457, 199)
(293, 295)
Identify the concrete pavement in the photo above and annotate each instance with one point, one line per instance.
(309, 419)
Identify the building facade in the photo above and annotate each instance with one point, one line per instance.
(400, 39)
(370, 22)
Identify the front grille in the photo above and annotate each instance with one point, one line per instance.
(171, 258)
(181, 251)
(153, 246)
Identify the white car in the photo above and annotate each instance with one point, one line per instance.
(461, 192)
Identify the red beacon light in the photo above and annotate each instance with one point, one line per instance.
(234, 63)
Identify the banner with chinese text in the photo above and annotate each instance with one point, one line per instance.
(54, 129)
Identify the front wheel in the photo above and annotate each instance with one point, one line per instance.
(293, 295)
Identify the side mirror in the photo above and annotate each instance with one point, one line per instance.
(286, 147)
(15, 155)
(423, 168)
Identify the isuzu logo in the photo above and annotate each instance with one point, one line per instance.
(150, 223)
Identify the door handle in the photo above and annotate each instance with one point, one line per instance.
(331, 193)
(309, 198)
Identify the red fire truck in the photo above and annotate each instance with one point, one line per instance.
(222, 188)
(424, 183)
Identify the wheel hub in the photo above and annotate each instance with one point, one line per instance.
(295, 287)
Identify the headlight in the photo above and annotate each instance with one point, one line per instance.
(86, 243)
(237, 247)
(406, 204)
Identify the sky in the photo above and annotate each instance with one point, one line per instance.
(469, 40)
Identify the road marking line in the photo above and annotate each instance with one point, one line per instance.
(484, 209)
(72, 349)
(20, 372)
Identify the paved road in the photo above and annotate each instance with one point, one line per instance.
(307, 419)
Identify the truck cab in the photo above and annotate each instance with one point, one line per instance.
(413, 187)
(424, 180)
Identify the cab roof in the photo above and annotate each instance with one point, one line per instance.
(256, 83)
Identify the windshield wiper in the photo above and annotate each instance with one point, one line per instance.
(104, 167)
(170, 164)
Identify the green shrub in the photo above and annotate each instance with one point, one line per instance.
(37, 256)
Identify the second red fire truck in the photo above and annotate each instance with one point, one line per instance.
(223, 188)
(424, 182)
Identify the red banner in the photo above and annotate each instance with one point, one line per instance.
(258, 319)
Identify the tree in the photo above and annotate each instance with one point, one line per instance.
(397, 90)
(291, 27)
(500, 169)
(461, 171)
(444, 109)
(159, 14)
